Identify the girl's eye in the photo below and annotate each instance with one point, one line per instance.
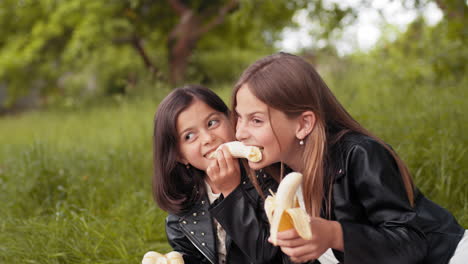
(257, 121)
(189, 136)
(213, 122)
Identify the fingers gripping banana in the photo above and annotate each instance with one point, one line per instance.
(283, 209)
(239, 150)
(153, 257)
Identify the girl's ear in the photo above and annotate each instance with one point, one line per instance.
(306, 123)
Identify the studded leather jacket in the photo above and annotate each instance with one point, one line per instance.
(241, 215)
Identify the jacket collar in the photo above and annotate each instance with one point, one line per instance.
(198, 228)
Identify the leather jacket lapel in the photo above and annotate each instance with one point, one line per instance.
(198, 227)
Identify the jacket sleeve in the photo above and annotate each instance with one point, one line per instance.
(242, 216)
(390, 233)
(180, 243)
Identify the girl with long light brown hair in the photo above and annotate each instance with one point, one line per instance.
(359, 194)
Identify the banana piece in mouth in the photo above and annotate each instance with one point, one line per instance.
(239, 150)
(153, 257)
(283, 208)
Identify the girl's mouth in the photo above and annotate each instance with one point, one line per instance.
(208, 154)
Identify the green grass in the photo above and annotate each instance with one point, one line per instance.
(75, 185)
(424, 121)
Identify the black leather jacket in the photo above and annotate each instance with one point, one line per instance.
(370, 202)
(242, 216)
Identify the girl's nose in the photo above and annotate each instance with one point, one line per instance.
(207, 137)
(241, 131)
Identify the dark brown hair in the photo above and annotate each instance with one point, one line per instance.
(175, 187)
(290, 84)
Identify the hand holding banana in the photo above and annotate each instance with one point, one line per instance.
(224, 171)
(283, 211)
(291, 225)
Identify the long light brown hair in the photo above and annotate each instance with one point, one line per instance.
(290, 84)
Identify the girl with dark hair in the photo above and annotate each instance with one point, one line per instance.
(215, 213)
(359, 194)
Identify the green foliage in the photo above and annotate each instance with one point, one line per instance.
(330, 18)
(411, 93)
(248, 34)
(52, 42)
(79, 48)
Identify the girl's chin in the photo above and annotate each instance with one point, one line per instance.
(256, 165)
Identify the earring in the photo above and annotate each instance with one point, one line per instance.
(301, 142)
(187, 166)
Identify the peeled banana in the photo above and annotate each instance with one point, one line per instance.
(239, 150)
(153, 257)
(284, 211)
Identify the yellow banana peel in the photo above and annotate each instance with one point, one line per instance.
(283, 208)
(239, 150)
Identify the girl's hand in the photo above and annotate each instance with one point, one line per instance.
(325, 234)
(223, 172)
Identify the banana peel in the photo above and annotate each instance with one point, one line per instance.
(285, 209)
(153, 257)
(239, 150)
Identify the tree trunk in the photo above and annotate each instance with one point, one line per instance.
(178, 63)
(181, 43)
(185, 35)
(454, 9)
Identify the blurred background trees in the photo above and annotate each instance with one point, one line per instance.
(53, 50)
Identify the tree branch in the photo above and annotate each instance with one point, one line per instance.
(451, 10)
(178, 7)
(223, 11)
(138, 45)
(441, 6)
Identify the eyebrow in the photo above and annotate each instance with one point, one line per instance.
(208, 117)
(251, 113)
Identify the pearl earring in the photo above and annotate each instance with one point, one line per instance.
(301, 142)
